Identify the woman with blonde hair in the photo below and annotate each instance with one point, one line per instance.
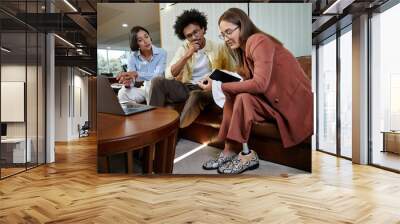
(274, 87)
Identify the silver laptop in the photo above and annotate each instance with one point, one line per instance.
(107, 100)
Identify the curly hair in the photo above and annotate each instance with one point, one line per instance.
(192, 16)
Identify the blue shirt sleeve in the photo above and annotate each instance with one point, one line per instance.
(132, 62)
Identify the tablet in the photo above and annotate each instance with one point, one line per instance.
(219, 75)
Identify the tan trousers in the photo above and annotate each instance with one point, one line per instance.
(197, 101)
(165, 91)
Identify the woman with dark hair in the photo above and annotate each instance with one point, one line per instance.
(274, 87)
(145, 62)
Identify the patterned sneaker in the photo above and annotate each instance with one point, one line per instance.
(240, 164)
(213, 164)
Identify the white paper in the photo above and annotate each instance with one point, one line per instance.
(217, 93)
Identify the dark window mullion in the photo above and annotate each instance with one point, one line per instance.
(369, 96)
(317, 96)
(338, 94)
(26, 87)
(37, 91)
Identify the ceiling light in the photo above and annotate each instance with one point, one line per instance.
(64, 40)
(338, 6)
(108, 48)
(79, 50)
(168, 5)
(86, 72)
(5, 50)
(124, 25)
(70, 5)
(43, 7)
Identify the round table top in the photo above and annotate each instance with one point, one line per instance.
(137, 128)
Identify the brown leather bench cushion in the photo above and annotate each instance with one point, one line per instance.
(212, 116)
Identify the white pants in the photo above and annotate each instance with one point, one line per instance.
(137, 95)
(132, 94)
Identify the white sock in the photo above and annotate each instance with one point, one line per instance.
(246, 149)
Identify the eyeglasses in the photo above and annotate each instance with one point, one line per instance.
(227, 33)
(190, 36)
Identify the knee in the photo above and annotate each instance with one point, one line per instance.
(243, 98)
(193, 98)
(157, 82)
(195, 94)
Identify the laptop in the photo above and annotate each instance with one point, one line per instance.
(107, 100)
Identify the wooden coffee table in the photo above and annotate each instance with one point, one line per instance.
(155, 131)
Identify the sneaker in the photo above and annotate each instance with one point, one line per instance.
(240, 163)
(213, 164)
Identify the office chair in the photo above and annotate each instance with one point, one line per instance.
(84, 130)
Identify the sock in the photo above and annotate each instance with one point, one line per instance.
(246, 149)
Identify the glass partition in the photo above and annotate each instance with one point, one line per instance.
(22, 64)
(385, 89)
(327, 96)
(13, 103)
(111, 61)
(346, 93)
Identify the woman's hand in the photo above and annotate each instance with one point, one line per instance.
(205, 84)
(126, 78)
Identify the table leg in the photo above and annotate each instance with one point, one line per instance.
(148, 159)
(129, 161)
(104, 164)
(384, 142)
(160, 161)
(171, 152)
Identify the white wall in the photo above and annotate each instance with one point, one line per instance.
(170, 42)
(71, 93)
(61, 103)
(33, 126)
(80, 112)
(15, 72)
(290, 23)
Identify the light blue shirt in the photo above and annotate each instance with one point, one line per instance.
(148, 70)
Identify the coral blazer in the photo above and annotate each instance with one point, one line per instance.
(273, 73)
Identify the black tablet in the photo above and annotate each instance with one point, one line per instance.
(219, 75)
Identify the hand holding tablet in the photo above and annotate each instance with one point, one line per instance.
(221, 76)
